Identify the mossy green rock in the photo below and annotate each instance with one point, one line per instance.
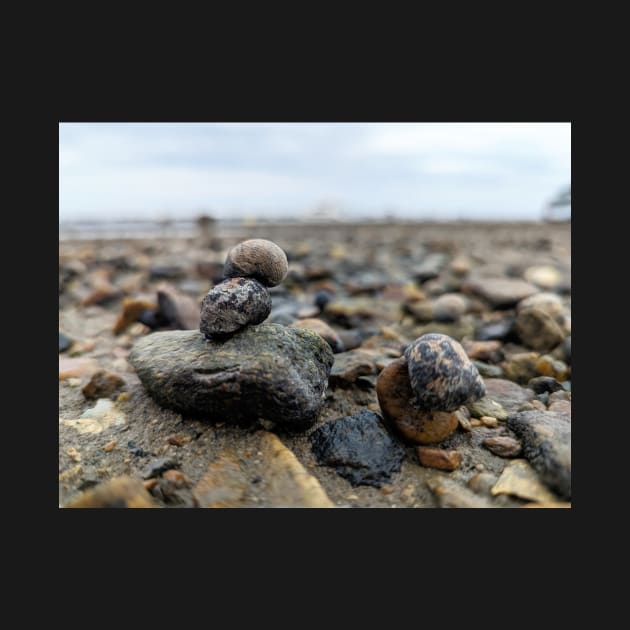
(267, 372)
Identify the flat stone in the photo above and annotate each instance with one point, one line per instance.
(519, 479)
(286, 481)
(500, 292)
(546, 440)
(360, 448)
(485, 407)
(508, 394)
(267, 372)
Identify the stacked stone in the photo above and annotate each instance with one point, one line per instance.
(421, 393)
(242, 299)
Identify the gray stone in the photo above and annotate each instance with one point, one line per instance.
(501, 292)
(508, 394)
(546, 440)
(268, 372)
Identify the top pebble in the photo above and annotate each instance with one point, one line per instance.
(257, 258)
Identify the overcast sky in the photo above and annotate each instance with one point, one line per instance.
(423, 170)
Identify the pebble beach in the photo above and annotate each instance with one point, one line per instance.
(384, 365)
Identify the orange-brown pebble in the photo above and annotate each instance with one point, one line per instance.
(120, 492)
(475, 422)
(489, 421)
(178, 439)
(176, 477)
(396, 400)
(110, 446)
(438, 458)
(131, 309)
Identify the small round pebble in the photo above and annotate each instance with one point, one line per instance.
(442, 376)
(257, 258)
(232, 305)
(449, 307)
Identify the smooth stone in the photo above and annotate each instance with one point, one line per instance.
(546, 440)
(490, 351)
(544, 276)
(538, 330)
(323, 329)
(544, 384)
(521, 367)
(487, 406)
(487, 370)
(399, 407)
(266, 372)
(503, 446)
(232, 305)
(430, 267)
(495, 331)
(449, 307)
(508, 394)
(349, 366)
(442, 376)
(439, 458)
(64, 342)
(360, 448)
(500, 292)
(102, 385)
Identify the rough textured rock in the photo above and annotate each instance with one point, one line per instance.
(360, 448)
(399, 407)
(233, 305)
(441, 374)
(263, 372)
(546, 440)
(257, 258)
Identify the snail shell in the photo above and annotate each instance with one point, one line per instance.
(257, 258)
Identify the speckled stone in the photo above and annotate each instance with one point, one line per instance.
(257, 258)
(441, 374)
(232, 305)
(268, 372)
(400, 408)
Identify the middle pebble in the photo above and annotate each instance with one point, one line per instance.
(232, 305)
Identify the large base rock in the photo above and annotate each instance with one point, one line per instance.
(265, 372)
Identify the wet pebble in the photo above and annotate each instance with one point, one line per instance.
(542, 384)
(442, 376)
(232, 305)
(359, 448)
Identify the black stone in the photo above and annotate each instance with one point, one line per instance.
(360, 448)
(64, 342)
(542, 384)
(503, 330)
(546, 440)
(322, 298)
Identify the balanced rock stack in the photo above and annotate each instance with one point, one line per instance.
(421, 393)
(235, 368)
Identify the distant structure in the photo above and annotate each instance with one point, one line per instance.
(558, 210)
